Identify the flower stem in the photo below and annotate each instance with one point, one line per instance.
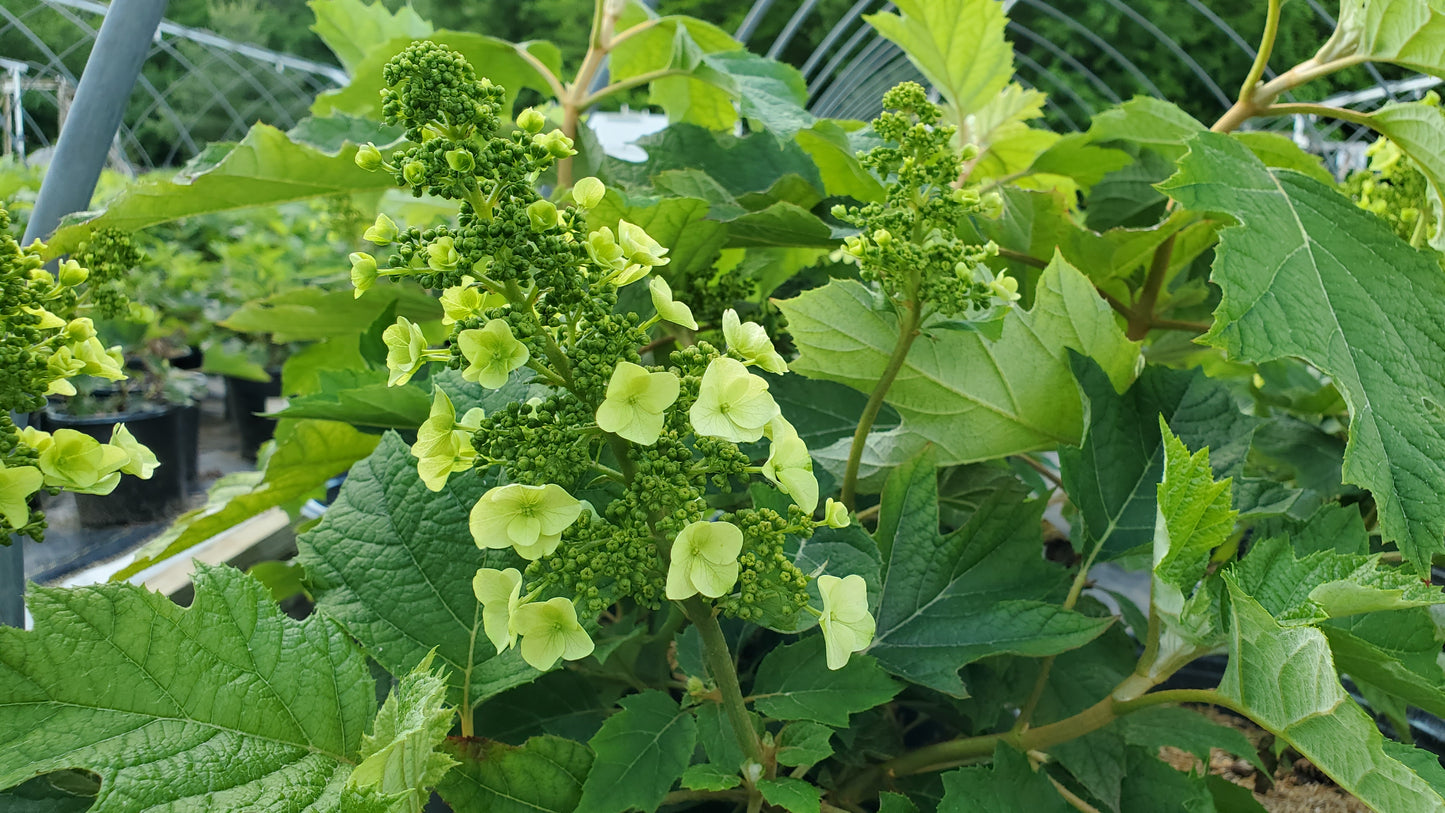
(907, 332)
(720, 663)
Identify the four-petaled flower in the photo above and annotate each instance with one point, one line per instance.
(704, 560)
(635, 403)
(847, 625)
(467, 300)
(492, 353)
(16, 486)
(529, 519)
(789, 466)
(588, 192)
(669, 308)
(441, 448)
(638, 245)
(405, 351)
(142, 462)
(500, 592)
(732, 403)
(441, 254)
(78, 462)
(603, 249)
(835, 514)
(751, 341)
(549, 631)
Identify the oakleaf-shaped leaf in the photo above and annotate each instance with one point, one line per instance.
(544, 775)
(399, 758)
(959, 46)
(792, 795)
(1326, 584)
(350, 28)
(226, 705)
(1405, 32)
(1308, 274)
(1193, 517)
(982, 590)
(641, 751)
(393, 562)
(1396, 652)
(1282, 677)
(971, 397)
(795, 683)
(268, 166)
(1010, 784)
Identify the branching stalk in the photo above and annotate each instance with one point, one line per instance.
(907, 332)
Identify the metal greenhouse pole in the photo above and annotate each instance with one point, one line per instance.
(100, 100)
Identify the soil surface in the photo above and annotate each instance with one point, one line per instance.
(1296, 786)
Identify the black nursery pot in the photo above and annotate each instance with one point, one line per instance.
(244, 399)
(163, 429)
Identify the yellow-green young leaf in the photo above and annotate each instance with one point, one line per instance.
(1148, 122)
(1418, 129)
(972, 397)
(959, 46)
(350, 28)
(268, 166)
(543, 775)
(226, 705)
(1283, 678)
(1406, 32)
(1193, 517)
(312, 453)
(641, 751)
(678, 45)
(399, 758)
(1308, 274)
(1326, 584)
(393, 562)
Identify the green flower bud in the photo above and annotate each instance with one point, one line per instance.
(71, 274)
(363, 271)
(882, 237)
(405, 351)
(441, 254)
(382, 232)
(531, 121)
(414, 172)
(588, 192)
(461, 160)
(555, 143)
(368, 157)
(543, 215)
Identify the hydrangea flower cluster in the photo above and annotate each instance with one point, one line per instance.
(46, 342)
(908, 243)
(608, 480)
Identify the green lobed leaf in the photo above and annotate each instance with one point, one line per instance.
(274, 709)
(795, 683)
(834, 147)
(982, 590)
(641, 751)
(1361, 306)
(562, 703)
(1405, 32)
(400, 758)
(769, 92)
(304, 459)
(1193, 518)
(958, 45)
(889, 802)
(709, 777)
(1148, 122)
(1151, 784)
(1282, 677)
(792, 795)
(268, 166)
(679, 45)
(1396, 652)
(804, 743)
(393, 563)
(351, 28)
(1009, 785)
(544, 775)
(750, 163)
(498, 60)
(320, 313)
(1113, 476)
(1326, 584)
(972, 398)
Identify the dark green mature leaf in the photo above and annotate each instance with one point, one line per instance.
(1008, 786)
(1150, 784)
(641, 751)
(804, 743)
(972, 398)
(393, 562)
(321, 313)
(545, 775)
(305, 458)
(680, 223)
(1148, 122)
(795, 683)
(1282, 677)
(959, 46)
(769, 92)
(842, 552)
(1326, 584)
(274, 708)
(351, 28)
(498, 60)
(792, 795)
(834, 148)
(562, 703)
(751, 163)
(1075, 157)
(1126, 198)
(1397, 652)
(823, 412)
(1112, 478)
(41, 795)
(268, 166)
(1362, 307)
(895, 803)
(982, 590)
